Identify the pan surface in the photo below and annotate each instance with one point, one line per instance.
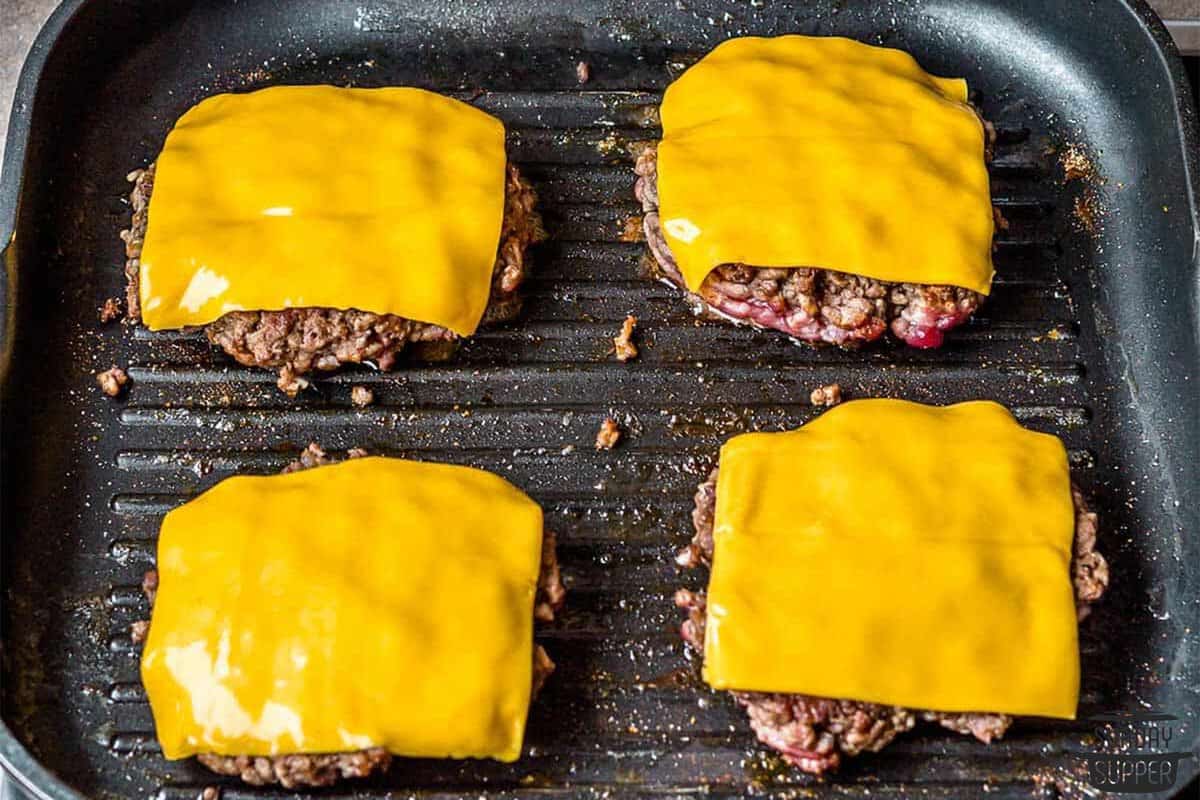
(1091, 333)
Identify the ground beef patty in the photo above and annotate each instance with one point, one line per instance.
(324, 769)
(812, 305)
(299, 340)
(814, 733)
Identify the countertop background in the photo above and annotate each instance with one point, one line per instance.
(20, 20)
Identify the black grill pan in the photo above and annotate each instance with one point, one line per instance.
(1091, 335)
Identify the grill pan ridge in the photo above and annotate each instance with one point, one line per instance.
(1089, 334)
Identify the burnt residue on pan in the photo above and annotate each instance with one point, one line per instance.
(1085, 336)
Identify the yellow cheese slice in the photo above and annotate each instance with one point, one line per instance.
(384, 200)
(376, 602)
(803, 151)
(897, 553)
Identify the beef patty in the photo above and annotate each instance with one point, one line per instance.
(809, 304)
(814, 733)
(299, 340)
(323, 769)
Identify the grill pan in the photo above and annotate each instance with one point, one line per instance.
(1091, 335)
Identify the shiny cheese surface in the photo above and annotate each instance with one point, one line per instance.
(802, 151)
(376, 602)
(384, 200)
(897, 553)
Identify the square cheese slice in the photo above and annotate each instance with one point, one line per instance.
(386, 200)
(897, 553)
(373, 603)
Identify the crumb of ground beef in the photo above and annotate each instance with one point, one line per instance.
(150, 585)
(112, 380)
(111, 310)
(303, 770)
(1089, 568)
(296, 341)
(812, 305)
(1076, 164)
(138, 630)
(361, 396)
(289, 382)
(210, 793)
(583, 72)
(294, 771)
(632, 229)
(828, 395)
(623, 342)
(813, 733)
(608, 435)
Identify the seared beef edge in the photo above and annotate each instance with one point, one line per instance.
(324, 769)
(815, 733)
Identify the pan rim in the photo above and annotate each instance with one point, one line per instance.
(15, 758)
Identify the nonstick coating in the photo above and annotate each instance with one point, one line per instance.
(1089, 334)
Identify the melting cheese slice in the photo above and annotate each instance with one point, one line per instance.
(384, 200)
(897, 553)
(376, 602)
(804, 151)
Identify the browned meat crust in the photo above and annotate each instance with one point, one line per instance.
(361, 396)
(814, 733)
(812, 305)
(551, 594)
(293, 771)
(1089, 569)
(608, 435)
(324, 769)
(299, 340)
(111, 310)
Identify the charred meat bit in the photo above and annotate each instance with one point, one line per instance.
(1087, 211)
(150, 585)
(551, 594)
(361, 396)
(1089, 568)
(293, 771)
(623, 342)
(112, 381)
(828, 395)
(138, 629)
(814, 733)
(608, 435)
(111, 310)
(632, 229)
(289, 382)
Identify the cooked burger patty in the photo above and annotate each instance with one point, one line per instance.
(323, 769)
(809, 304)
(814, 733)
(299, 340)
